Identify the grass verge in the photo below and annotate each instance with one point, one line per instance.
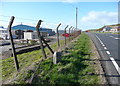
(27, 62)
(74, 67)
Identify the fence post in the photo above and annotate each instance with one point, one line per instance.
(65, 33)
(69, 33)
(12, 43)
(72, 33)
(39, 37)
(58, 35)
(47, 45)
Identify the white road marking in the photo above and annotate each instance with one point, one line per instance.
(100, 41)
(111, 58)
(115, 64)
(105, 48)
(114, 37)
(117, 38)
(107, 52)
(111, 36)
(103, 45)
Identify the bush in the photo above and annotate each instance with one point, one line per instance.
(32, 42)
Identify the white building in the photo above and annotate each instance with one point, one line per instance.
(33, 35)
(106, 29)
(114, 29)
(3, 33)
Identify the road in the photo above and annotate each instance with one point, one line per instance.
(108, 48)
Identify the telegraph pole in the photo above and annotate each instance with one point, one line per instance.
(76, 16)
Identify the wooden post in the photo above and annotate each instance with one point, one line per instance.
(69, 33)
(65, 33)
(58, 35)
(39, 37)
(12, 43)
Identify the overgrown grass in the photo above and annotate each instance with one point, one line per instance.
(72, 69)
(27, 62)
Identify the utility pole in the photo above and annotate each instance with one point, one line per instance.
(76, 16)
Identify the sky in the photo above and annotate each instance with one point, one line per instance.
(91, 15)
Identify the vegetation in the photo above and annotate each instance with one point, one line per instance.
(74, 67)
(27, 61)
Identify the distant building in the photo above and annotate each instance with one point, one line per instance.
(27, 27)
(118, 28)
(3, 33)
(19, 34)
(111, 28)
(114, 29)
(33, 35)
(106, 29)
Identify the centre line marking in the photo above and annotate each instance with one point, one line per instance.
(103, 45)
(105, 48)
(117, 38)
(111, 36)
(115, 64)
(107, 52)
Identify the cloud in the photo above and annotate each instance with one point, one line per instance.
(96, 19)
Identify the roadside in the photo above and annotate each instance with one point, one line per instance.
(78, 65)
(96, 57)
(27, 61)
(111, 73)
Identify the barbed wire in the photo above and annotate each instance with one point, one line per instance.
(45, 24)
(20, 18)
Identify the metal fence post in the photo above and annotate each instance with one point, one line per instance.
(58, 35)
(39, 37)
(47, 45)
(72, 32)
(69, 33)
(65, 33)
(12, 43)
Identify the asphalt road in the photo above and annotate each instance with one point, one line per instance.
(108, 48)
